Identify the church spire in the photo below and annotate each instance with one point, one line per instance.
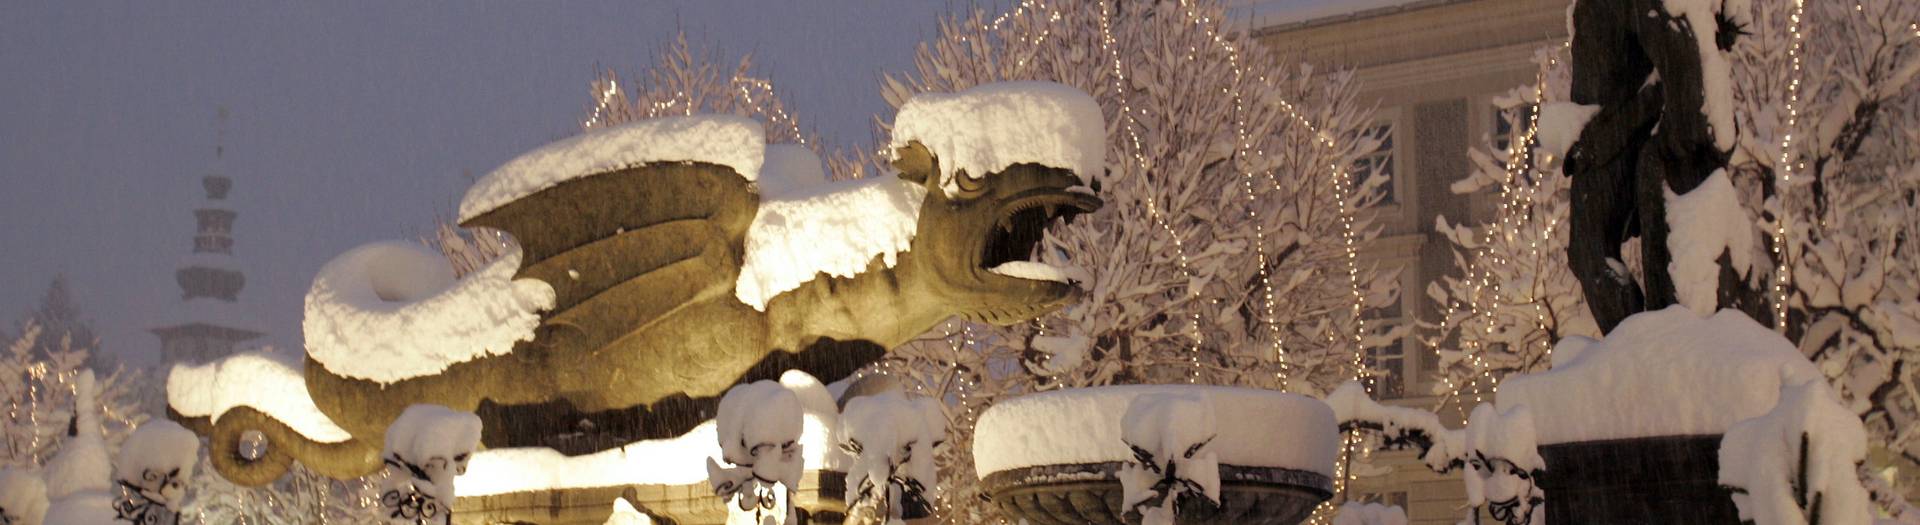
(210, 280)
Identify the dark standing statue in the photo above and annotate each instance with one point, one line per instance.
(647, 333)
(1643, 66)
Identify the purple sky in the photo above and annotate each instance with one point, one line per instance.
(351, 122)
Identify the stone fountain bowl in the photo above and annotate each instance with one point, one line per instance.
(1052, 458)
(1089, 493)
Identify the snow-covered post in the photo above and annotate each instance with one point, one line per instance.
(759, 428)
(1169, 435)
(1798, 464)
(1504, 465)
(893, 442)
(152, 471)
(23, 498)
(426, 447)
(79, 477)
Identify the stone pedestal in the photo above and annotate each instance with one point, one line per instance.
(1671, 480)
(820, 498)
(1090, 494)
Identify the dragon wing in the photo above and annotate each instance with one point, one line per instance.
(624, 248)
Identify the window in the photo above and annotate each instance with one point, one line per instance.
(212, 244)
(1377, 162)
(1391, 360)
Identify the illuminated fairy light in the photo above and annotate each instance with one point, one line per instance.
(1109, 44)
(1783, 274)
(1341, 183)
(1516, 202)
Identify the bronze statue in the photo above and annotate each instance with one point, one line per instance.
(646, 333)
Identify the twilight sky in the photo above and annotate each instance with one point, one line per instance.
(351, 122)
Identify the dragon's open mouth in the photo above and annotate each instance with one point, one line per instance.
(1009, 247)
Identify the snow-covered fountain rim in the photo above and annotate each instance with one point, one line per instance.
(1258, 428)
(1230, 475)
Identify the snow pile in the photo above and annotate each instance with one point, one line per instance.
(988, 128)
(676, 461)
(427, 447)
(1560, 126)
(1352, 407)
(759, 429)
(802, 230)
(265, 380)
(1505, 464)
(1663, 373)
(1706, 222)
(1569, 349)
(1356, 513)
(728, 140)
(1083, 425)
(1762, 457)
(1169, 434)
(625, 514)
(91, 508)
(23, 498)
(821, 421)
(392, 310)
(891, 437)
(790, 168)
(157, 460)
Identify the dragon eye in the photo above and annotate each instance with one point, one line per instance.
(968, 184)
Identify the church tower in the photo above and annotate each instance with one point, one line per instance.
(206, 325)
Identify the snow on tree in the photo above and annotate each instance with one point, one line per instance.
(60, 319)
(39, 383)
(1221, 256)
(1514, 296)
(1830, 93)
(300, 497)
(684, 82)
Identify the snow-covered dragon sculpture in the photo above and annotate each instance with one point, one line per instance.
(659, 263)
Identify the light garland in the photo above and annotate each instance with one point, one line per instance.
(1784, 168)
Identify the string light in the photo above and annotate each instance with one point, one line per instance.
(1784, 168)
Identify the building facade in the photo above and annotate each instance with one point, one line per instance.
(1433, 69)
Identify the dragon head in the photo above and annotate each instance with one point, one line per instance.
(979, 243)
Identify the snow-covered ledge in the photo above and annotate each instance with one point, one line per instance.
(1275, 451)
